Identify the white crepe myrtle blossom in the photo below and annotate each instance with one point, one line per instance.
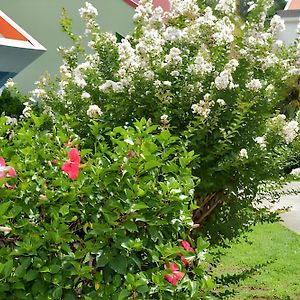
(187, 8)
(85, 95)
(202, 108)
(251, 5)
(38, 93)
(173, 58)
(224, 31)
(290, 131)
(295, 172)
(79, 79)
(88, 11)
(222, 82)
(277, 24)
(260, 140)
(173, 34)
(226, 6)
(11, 121)
(200, 66)
(164, 119)
(221, 102)
(149, 75)
(110, 84)
(9, 84)
(27, 111)
(94, 111)
(254, 85)
(243, 154)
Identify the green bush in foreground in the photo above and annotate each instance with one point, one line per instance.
(113, 225)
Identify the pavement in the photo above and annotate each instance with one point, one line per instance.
(291, 218)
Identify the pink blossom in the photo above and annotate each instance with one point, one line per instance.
(72, 166)
(7, 171)
(176, 274)
(186, 246)
(131, 154)
(184, 260)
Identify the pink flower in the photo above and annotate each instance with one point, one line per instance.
(184, 260)
(131, 154)
(186, 246)
(7, 171)
(176, 274)
(72, 166)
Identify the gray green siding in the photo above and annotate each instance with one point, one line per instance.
(40, 18)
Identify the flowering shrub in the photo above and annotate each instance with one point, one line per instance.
(203, 74)
(108, 222)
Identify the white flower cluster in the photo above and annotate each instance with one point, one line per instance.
(277, 24)
(287, 130)
(128, 58)
(221, 102)
(243, 154)
(290, 131)
(94, 111)
(226, 6)
(27, 111)
(9, 84)
(116, 87)
(11, 121)
(254, 85)
(88, 12)
(224, 31)
(187, 8)
(260, 140)
(38, 93)
(85, 95)
(173, 34)
(200, 66)
(202, 108)
(295, 172)
(173, 58)
(224, 80)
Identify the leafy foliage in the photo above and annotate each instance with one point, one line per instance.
(10, 105)
(214, 82)
(107, 234)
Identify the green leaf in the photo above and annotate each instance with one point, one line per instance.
(119, 264)
(54, 269)
(4, 207)
(139, 206)
(130, 278)
(105, 255)
(130, 226)
(31, 275)
(124, 295)
(64, 210)
(8, 267)
(151, 164)
(57, 293)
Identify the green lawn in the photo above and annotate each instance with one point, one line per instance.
(266, 268)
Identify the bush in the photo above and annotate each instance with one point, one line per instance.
(10, 105)
(105, 227)
(204, 75)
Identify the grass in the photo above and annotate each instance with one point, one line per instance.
(265, 267)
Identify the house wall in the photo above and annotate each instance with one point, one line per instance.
(290, 33)
(40, 18)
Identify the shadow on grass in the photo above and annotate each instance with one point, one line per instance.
(228, 280)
